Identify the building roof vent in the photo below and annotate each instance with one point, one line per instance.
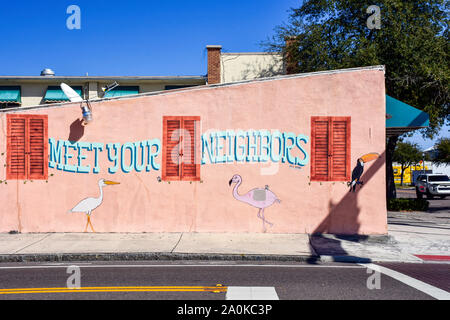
(47, 73)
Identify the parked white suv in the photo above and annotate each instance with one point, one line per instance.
(433, 185)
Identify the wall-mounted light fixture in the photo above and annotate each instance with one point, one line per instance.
(86, 110)
(109, 87)
(87, 113)
(75, 97)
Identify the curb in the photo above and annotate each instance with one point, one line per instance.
(361, 260)
(167, 256)
(152, 256)
(374, 239)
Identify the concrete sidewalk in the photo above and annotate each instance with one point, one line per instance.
(421, 233)
(410, 234)
(143, 246)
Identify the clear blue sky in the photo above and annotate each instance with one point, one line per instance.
(131, 37)
(427, 143)
(153, 38)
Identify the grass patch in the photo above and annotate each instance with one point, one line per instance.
(408, 205)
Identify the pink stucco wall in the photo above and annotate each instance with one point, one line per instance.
(142, 204)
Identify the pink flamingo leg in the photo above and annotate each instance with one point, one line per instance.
(261, 216)
(264, 219)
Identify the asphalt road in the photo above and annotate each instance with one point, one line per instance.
(437, 205)
(291, 281)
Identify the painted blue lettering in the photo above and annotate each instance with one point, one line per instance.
(125, 146)
(265, 145)
(207, 144)
(113, 158)
(305, 160)
(139, 167)
(55, 153)
(287, 147)
(68, 167)
(81, 146)
(96, 147)
(237, 156)
(152, 155)
(252, 135)
(274, 154)
(221, 138)
(230, 139)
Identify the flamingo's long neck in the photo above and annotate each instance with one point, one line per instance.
(236, 195)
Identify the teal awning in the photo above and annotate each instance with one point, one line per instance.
(122, 91)
(10, 94)
(55, 94)
(401, 117)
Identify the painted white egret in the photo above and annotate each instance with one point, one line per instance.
(89, 204)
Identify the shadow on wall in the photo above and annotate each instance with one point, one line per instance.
(258, 70)
(76, 131)
(342, 220)
(343, 216)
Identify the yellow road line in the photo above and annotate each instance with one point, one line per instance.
(116, 289)
(120, 287)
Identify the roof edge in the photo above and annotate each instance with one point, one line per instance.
(94, 78)
(204, 87)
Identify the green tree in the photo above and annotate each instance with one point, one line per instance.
(413, 44)
(406, 154)
(442, 152)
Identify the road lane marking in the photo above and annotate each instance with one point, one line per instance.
(184, 265)
(215, 289)
(416, 284)
(428, 257)
(251, 293)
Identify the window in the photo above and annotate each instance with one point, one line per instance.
(442, 178)
(10, 96)
(27, 147)
(55, 94)
(6, 105)
(181, 148)
(122, 91)
(330, 148)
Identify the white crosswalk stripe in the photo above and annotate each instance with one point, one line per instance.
(251, 293)
(416, 284)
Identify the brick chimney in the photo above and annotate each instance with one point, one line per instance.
(214, 64)
(291, 64)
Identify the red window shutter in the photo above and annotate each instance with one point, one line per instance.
(340, 149)
(27, 147)
(38, 147)
(16, 148)
(171, 140)
(330, 148)
(180, 147)
(319, 148)
(190, 168)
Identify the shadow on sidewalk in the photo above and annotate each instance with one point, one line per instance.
(342, 222)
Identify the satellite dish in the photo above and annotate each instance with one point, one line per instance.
(75, 97)
(70, 93)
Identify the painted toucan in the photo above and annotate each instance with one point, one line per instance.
(359, 169)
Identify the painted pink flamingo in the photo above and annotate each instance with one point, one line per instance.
(258, 197)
